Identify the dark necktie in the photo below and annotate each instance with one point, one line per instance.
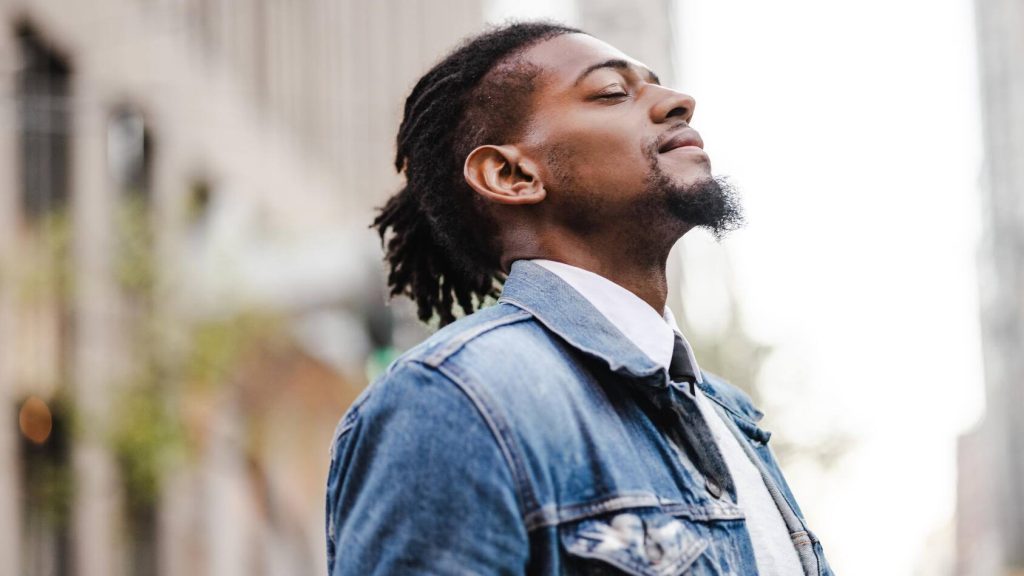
(694, 436)
(681, 369)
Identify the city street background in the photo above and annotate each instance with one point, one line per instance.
(190, 295)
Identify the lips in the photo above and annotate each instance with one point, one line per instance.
(684, 137)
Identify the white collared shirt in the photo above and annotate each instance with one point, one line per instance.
(653, 334)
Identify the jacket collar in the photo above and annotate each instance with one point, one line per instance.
(564, 311)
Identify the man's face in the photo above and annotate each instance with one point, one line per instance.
(612, 143)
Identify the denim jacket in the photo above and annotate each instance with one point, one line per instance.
(519, 440)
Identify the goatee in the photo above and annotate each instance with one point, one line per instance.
(711, 203)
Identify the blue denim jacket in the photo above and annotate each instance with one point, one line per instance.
(516, 441)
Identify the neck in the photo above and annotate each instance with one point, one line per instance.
(633, 257)
(640, 272)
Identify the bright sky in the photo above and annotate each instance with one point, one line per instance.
(852, 129)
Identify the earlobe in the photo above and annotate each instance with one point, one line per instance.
(503, 175)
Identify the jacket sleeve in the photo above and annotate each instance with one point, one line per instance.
(418, 484)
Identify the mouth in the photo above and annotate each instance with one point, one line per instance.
(687, 137)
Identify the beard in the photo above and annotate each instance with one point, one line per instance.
(668, 209)
(710, 203)
(665, 211)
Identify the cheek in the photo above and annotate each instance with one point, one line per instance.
(601, 161)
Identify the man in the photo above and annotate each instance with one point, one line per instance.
(566, 428)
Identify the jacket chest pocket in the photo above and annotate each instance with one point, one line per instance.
(639, 542)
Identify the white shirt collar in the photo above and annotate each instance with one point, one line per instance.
(651, 332)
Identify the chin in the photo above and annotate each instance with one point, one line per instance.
(692, 179)
(688, 175)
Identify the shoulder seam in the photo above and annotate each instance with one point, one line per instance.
(437, 357)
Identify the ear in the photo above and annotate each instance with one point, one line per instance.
(502, 174)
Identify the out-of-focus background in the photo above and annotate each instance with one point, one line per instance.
(190, 296)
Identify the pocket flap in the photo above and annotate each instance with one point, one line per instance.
(643, 543)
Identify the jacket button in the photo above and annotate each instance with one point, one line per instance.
(713, 488)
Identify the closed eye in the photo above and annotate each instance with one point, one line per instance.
(613, 91)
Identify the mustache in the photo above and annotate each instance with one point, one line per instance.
(656, 143)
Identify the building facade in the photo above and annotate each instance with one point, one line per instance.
(990, 530)
(252, 141)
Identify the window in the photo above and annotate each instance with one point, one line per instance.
(43, 89)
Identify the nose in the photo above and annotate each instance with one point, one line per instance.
(672, 104)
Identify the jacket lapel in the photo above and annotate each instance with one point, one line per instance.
(567, 313)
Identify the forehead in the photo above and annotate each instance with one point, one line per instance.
(563, 58)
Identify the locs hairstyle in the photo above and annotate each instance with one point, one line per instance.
(442, 247)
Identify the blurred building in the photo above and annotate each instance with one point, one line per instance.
(978, 545)
(990, 531)
(252, 139)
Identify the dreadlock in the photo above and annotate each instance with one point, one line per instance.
(442, 248)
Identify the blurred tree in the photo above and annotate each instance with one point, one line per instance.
(159, 409)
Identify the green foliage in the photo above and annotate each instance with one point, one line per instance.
(148, 433)
(135, 265)
(145, 427)
(218, 346)
(46, 272)
(147, 438)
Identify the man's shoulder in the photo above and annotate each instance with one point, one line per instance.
(503, 327)
(489, 357)
(440, 370)
(492, 338)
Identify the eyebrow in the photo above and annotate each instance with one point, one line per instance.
(617, 64)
